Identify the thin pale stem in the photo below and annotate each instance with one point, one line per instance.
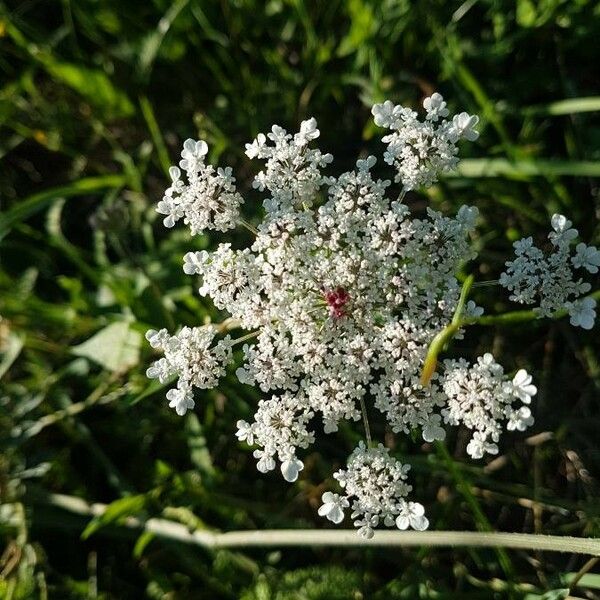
(248, 336)
(228, 325)
(491, 283)
(178, 532)
(365, 419)
(589, 565)
(248, 226)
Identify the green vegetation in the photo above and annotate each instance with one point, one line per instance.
(95, 100)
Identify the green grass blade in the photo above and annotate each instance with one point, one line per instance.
(154, 40)
(565, 107)
(38, 202)
(524, 169)
(10, 352)
(157, 138)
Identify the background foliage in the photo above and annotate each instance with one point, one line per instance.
(95, 100)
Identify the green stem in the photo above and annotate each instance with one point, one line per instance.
(518, 316)
(510, 318)
(443, 337)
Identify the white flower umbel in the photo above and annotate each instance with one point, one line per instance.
(279, 427)
(586, 257)
(482, 398)
(292, 173)
(341, 293)
(208, 200)
(375, 488)
(548, 278)
(422, 150)
(190, 356)
(582, 312)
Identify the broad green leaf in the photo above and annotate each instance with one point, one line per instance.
(116, 347)
(93, 85)
(9, 352)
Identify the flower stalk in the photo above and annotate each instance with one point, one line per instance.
(441, 340)
(177, 532)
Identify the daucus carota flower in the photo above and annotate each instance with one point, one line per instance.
(547, 278)
(208, 200)
(582, 312)
(333, 507)
(191, 356)
(374, 485)
(422, 150)
(341, 293)
(482, 397)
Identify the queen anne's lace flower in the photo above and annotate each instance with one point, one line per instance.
(190, 356)
(481, 397)
(582, 312)
(419, 150)
(333, 507)
(292, 173)
(411, 514)
(586, 257)
(522, 387)
(280, 427)
(342, 292)
(375, 487)
(209, 200)
(547, 278)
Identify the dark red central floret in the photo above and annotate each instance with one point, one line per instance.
(336, 300)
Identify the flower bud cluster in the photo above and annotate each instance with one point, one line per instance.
(189, 356)
(292, 174)
(481, 397)
(279, 427)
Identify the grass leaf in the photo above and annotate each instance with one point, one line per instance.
(37, 202)
(569, 106)
(93, 85)
(525, 169)
(10, 351)
(115, 511)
